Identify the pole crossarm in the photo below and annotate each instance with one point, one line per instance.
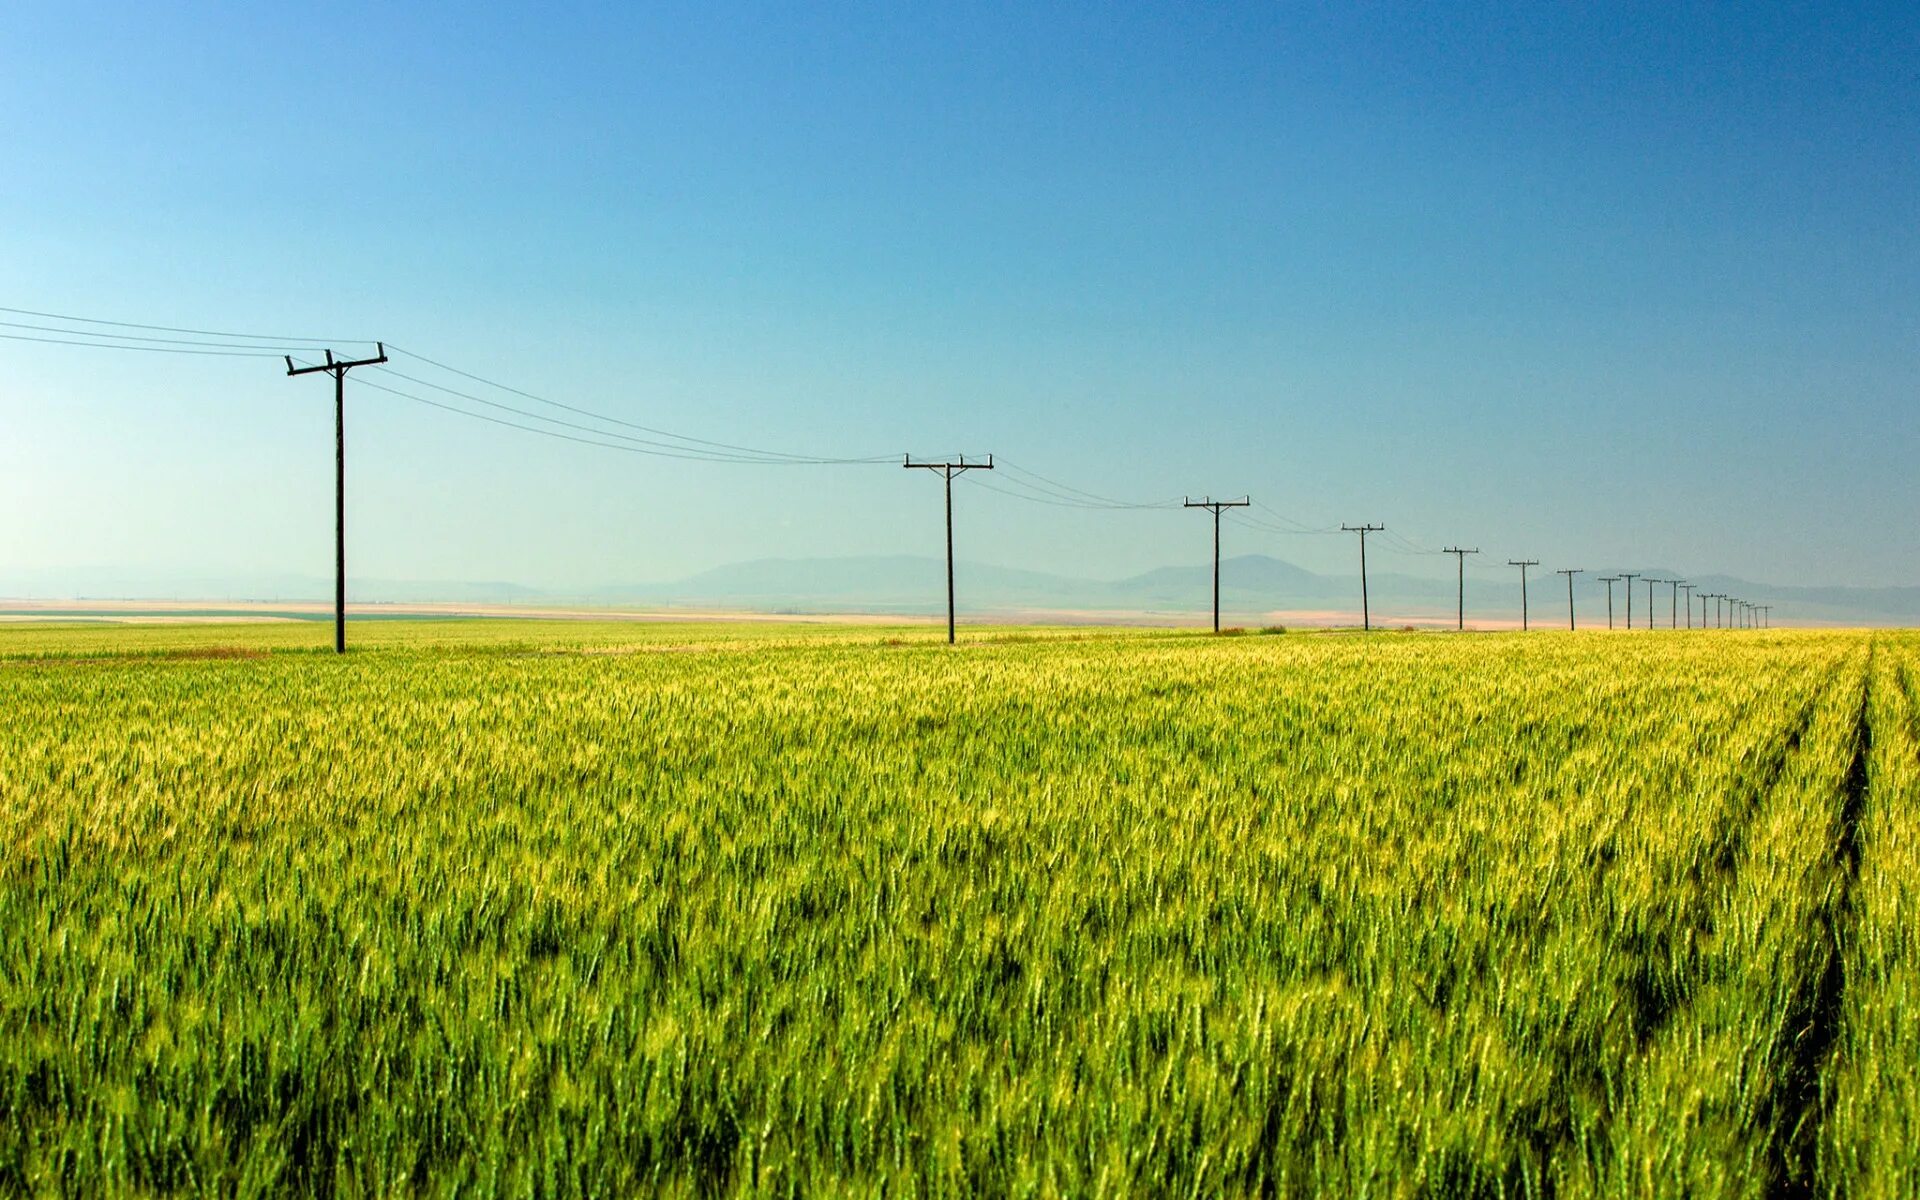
(1214, 506)
(947, 469)
(338, 368)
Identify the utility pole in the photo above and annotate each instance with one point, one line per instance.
(1688, 589)
(338, 368)
(1216, 506)
(1460, 558)
(1523, 564)
(948, 470)
(1766, 616)
(1629, 579)
(1650, 581)
(1609, 580)
(1366, 613)
(1569, 574)
(1673, 607)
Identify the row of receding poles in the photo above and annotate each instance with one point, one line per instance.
(1747, 615)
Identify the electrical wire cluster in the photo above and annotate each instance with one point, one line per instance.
(479, 398)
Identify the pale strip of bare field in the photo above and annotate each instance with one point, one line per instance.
(154, 612)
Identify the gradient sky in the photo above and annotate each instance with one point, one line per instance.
(1599, 285)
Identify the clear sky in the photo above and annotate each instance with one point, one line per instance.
(1601, 285)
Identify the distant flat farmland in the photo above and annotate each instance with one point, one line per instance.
(590, 908)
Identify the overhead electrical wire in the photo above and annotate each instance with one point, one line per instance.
(256, 337)
(730, 454)
(611, 420)
(1018, 483)
(23, 337)
(134, 337)
(554, 433)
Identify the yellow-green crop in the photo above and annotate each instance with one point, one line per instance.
(573, 909)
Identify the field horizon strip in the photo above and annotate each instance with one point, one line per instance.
(563, 908)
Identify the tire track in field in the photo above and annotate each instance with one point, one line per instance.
(1659, 984)
(1799, 1106)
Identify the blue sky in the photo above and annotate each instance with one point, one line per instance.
(1602, 286)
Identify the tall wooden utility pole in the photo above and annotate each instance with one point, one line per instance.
(1688, 589)
(1366, 614)
(948, 470)
(1523, 564)
(1460, 558)
(1629, 590)
(1569, 573)
(338, 368)
(1650, 581)
(1609, 580)
(1673, 607)
(1216, 506)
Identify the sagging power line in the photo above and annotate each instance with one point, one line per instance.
(605, 430)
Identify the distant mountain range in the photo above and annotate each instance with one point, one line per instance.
(1253, 587)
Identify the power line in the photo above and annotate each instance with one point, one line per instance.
(134, 337)
(256, 337)
(22, 337)
(746, 457)
(1066, 491)
(568, 437)
(612, 420)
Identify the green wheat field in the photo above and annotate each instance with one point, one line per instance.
(597, 909)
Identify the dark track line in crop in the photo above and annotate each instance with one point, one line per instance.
(1799, 1107)
(1658, 996)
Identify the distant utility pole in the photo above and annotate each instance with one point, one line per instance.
(338, 368)
(948, 470)
(1719, 612)
(1609, 580)
(1629, 579)
(1523, 564)
(1650, 581)
(1673, 607)
(1569, 573)
(1216, 506)
(1366, 614)
(1766, 616)
(1688, 589)
(1460, 558)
